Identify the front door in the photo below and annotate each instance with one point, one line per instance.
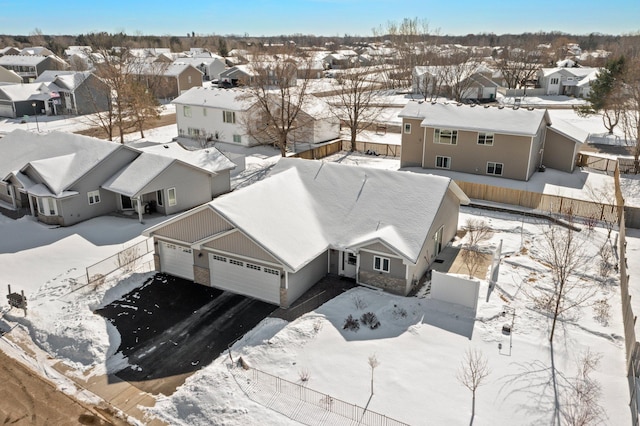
(348, 264)
(127, 203)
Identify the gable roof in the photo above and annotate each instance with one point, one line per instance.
(59, 158)
(28, 91)
(213, 97)
(520, 121)
(69, 80)
(305, 207)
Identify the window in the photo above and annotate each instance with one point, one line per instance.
(94, 197)
(219, 258)
(494, 168)
(186, 110)
(554, 81)
(189, 79)
(449, 137)
(407, 127)
(194, 133)
(229, 117)
(159, 197)
(254, 267)
(237, 138)
(443, 162)
(485, 138)
(236, 262)
(171, 196)
(271, 271)
(47, 206)
(381, 264)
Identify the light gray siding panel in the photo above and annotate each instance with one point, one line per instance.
(194, 227)
(559, 152)
(305, 278)
(393, 281)
(192, 186)
(378, 247)
(75, 209)
(221, 183)
(238, 243)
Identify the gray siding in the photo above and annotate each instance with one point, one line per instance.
(305, 278)
(92, 96)
(394, 281)
(192, 186)
(559, 152)
(238, 243)
(412, 144)
(221, 183)
(75, 209)
(194, 227)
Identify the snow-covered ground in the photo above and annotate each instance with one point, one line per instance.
(420, 344)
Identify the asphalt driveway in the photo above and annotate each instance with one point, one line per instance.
(171, 327)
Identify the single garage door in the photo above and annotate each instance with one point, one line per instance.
(6, 110)
(176, 260)
(242, 277)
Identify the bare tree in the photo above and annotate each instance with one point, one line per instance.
(519, 65)
(357, 102)
(472, 373)
(279, 88)
(631, 109)
(580, 404)
(457, 75)
(478, 232)
(373, 363)
(562, 252)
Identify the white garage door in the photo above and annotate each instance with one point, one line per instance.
(6, 111)
(249, 279)
(176, 260)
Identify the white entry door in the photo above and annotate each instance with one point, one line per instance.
(176, 260)
(247, 278)
(348, 264)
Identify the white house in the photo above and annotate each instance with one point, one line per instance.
(567, 81)
(224, 115)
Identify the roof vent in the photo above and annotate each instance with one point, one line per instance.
(486, 106)
(433, 102)
(166, 146)
(472, 105)
(500, 106)
(459, 103)
(515, 107)
(530, 108)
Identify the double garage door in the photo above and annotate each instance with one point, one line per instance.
(234, 275)
(242, 277)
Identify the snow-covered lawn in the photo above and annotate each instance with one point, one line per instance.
(420, 344)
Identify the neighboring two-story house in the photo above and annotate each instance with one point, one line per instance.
(494, 141)
(570, 81)
(223, 115)
(29, 67)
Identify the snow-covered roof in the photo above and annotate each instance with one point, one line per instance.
(59, 158)
(69, 80)
(213, 97)
(29, 91)
(569, 71)
(567, 129)
(514, 121)
(155, 159)
(292, 213)
(25, 60)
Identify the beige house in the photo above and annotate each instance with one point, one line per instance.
(276, 238)
(506, 142)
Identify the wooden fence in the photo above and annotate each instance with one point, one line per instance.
(596, 162)
(383, 149)
(542, 202)
(320, 151)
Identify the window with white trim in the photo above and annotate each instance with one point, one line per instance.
(193, 133)
(407, 128)
(47, 206)
(254, 267)
(271, 271)
(219, 258)
(381, 264)
(171, 196)
(186, 111)
(159, 197)
(229, 117)
(94, 197)
(485, 139)
(236, 262)
(237, 138)
(494, 168)
(443, 162)
(445, 136)
(555, 80)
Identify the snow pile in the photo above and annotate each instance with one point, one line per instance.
(420, 345)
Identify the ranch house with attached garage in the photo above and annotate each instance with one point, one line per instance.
(275, 239)
(512, 143)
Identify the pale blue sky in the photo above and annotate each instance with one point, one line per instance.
(319, 17)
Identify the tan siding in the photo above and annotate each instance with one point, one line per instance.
(379, 247)
(238, 243)
(469, 157)
(412, 144)
(194, 227)
(559, 152)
